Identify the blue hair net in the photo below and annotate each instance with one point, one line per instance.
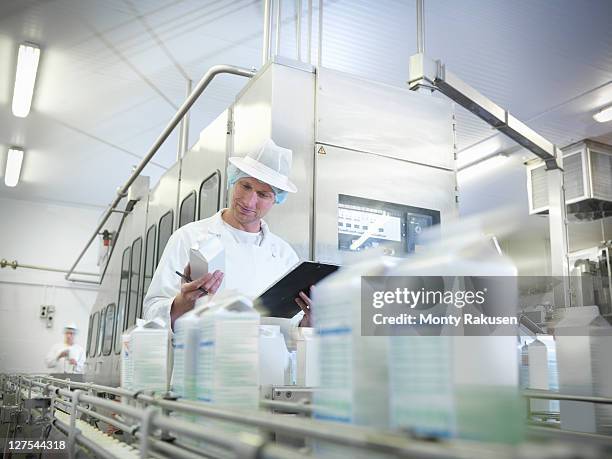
(234, 174)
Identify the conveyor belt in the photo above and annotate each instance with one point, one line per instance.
(110, 444)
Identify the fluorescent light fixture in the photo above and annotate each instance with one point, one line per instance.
(25, 77)
(13, 166)
(478, 152)
(603, 115)
(480, 169)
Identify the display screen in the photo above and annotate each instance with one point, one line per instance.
(366, 223)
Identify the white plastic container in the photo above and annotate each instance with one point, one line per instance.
(307, 357)
(274, 359)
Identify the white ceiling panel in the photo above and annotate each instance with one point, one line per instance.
(112, 72)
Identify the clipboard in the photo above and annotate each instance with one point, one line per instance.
(279, 299)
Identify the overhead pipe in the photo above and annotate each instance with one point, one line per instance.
(266, 33)
(420, 17)
(309, 36)
(298, 29)
(279, 18)
(122, 192)
(320, 50)
(15, 264)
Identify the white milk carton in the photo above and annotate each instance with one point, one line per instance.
(449, 385)
(207, 256)
(186, 341)
(353, 369)
(145, 356)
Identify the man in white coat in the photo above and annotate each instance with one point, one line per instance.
(66, 357)
(254, 256)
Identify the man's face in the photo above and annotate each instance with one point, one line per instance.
(251, 200)
(69, 337)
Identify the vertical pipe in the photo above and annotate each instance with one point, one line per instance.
(278, 27)
(309, 42)
(298, 29)
(73, 415)
(557, 222)
(420, 26)
(265, 53)
(320, 50)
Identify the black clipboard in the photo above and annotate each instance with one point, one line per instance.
(279, 299)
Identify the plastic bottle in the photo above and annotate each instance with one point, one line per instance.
(274, 359)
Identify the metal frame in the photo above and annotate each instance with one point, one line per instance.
(140, 421)
(429, 73)
(425, 72)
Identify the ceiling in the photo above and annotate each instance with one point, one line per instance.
(113, 72)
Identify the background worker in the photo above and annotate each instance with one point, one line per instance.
(67, 356)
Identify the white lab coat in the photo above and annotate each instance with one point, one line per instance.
(63, 365)
(249, 268)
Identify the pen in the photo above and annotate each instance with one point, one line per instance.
(188, 279)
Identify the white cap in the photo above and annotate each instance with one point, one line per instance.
(270, 164)
(71, 326)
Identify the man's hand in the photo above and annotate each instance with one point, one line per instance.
(190, 292)
(305, 303)
(72, 361)
(64, 353)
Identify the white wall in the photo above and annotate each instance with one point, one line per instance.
(49, 235)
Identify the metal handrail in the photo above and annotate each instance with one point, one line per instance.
(345, 435)
(176, 119)
(550, 395)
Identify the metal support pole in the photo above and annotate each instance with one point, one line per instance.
(199, 89)
(145, 428)
(320, 50)
(557, 226)
(420, 17)
(73, 431)
(309, 40)
(278, 27)
(265, 54)
(298, 29)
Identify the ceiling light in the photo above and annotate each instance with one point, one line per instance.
(13, 166)
(603, 115)
(25, 77)
(479, 151)
(480, 169)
